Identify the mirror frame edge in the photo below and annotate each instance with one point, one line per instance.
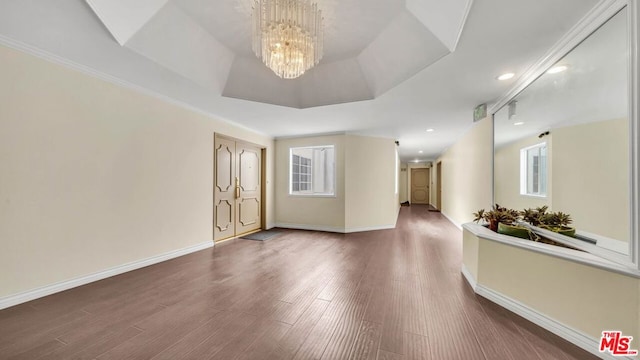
(634, 93)
(595, 18)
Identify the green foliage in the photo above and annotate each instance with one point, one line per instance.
(554, 221)
(540, 217)
(557, 219)
(497, 214)
(478, 216)
(534, 216)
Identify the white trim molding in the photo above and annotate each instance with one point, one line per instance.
(311, 227)
(369, 228)
(568, 333)
(37, 293)
(334, 228)
(579, 257)
(455, 223)
(634, 113)
(467, 10)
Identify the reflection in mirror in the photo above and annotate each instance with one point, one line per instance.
(563, 142)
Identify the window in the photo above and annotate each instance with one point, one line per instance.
(312, 171)
(533, 170)
(301, 173)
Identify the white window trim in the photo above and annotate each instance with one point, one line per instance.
(312, 195)
(523, 170)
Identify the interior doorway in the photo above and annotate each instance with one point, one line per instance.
(439, 186)
(237, 188)
(420, 186)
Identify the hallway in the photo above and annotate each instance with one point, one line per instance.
(389, 294)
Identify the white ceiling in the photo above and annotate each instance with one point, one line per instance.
(194, 52)
(209, 42)
(593, 88)
(358, 24)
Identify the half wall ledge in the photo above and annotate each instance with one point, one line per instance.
(580, 257)
(573, 294)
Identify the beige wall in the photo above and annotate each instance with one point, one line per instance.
(470, 248)
(467, 173)
(95, 175)
(588, 176)
(404, 181)
(591, 176)
(326, 213)
(365, 186)
(576, 295)
(370, 167)
(507, 175)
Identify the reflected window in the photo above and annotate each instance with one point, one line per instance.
(312, 171)
(533, 170)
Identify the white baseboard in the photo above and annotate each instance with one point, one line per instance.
(566, 332)
(310, 227)
(458, 225)
(33, 294)
(370, 228)
(470, 279)
(333, 228)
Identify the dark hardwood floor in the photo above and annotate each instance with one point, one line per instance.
(390, 294)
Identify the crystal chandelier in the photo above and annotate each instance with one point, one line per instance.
(287, 35)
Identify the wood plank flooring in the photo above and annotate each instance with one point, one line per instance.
(389, 294)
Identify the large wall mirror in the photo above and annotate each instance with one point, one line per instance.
(565, 140)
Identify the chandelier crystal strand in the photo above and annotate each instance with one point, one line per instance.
(287, 35)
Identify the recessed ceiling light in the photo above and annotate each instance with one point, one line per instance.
(420, 152)
(518, 123)
(557, 69)
(506, 76)
(430, 130)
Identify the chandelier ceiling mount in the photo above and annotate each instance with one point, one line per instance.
(287, 35)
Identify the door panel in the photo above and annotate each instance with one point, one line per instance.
(224, 189)
(224, 215)
(420, 186)
(249, 161)
(225, 154)
(249, 210)
(248, 203)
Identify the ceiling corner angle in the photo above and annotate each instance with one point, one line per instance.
(122, 19)
(445, 20)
